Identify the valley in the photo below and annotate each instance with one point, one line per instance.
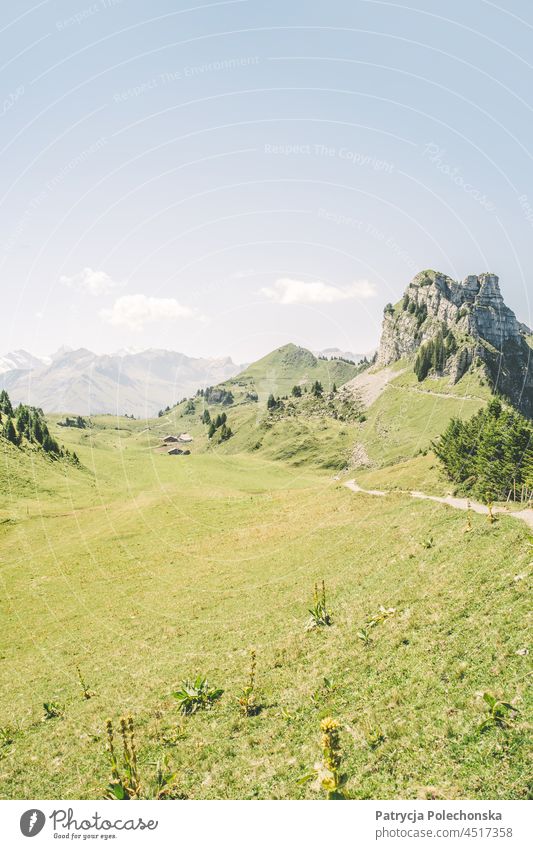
(127, 571)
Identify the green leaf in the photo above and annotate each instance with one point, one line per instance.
(306, 778)
(117, 790)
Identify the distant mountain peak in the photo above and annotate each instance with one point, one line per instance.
(64, 349)
(20, 360)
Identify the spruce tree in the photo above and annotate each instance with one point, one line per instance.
(489, 455)
(9, 431)
(5, 403)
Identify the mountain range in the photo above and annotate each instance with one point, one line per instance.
(138, 383)
(446, 327)
(85, 383)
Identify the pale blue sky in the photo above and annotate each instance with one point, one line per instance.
(221, 178)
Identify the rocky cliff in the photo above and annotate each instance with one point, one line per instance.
(465, 324)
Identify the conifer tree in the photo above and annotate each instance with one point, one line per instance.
(489, 455)
(9, 431)
(5, 403)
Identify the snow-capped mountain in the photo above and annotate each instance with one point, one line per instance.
(86, 383)
(21, 360)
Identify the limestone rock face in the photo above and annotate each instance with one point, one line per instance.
(491, 319)
(483, 326)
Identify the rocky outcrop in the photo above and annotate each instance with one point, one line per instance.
(479, 327)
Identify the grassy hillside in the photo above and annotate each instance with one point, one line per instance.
(307, 430)
(280, 370)
(144, 570)
(335, 431)
(409, 415)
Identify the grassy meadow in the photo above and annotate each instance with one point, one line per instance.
(144, 570)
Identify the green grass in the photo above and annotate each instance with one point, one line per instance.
(408, 416)
(307, 439)
(398, 427)
(421, 473)
(280, 370)
(145, 570)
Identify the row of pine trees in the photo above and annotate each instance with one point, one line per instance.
(489, 455)
(433, 355)
(27, 424)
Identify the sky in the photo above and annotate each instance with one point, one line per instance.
(223, 178)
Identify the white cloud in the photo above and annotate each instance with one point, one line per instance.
(91, 281)
(134, 311)
(289, 291)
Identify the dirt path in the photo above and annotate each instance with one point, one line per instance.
(438, 394)
(458, 503)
